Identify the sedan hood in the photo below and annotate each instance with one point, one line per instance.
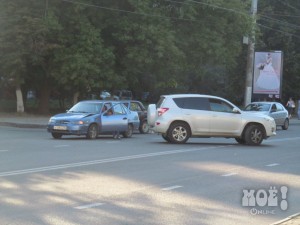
(71, 116)
(257, 112)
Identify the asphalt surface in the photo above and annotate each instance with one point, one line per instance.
(36, 121)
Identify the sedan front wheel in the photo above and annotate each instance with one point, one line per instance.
(56, 135)
(92, 132)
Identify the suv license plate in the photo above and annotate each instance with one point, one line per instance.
(60, 128)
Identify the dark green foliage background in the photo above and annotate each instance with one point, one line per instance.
(62, 47)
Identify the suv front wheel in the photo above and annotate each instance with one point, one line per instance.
(178, 133)
(254, 135)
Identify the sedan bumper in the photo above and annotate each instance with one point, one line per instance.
(68, 129)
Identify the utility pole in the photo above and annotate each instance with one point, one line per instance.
(46, 8)
(250, 58)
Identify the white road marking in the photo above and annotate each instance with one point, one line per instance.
(171, 188)
(273, 164)
(3, 150)
(89, 206)
(61, 146)
(282, 139)
(102, 161)
(229, 174)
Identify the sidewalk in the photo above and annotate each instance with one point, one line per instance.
(24, 120)
(291, 220)
(40, 121)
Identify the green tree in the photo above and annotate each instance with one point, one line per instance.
(18, 20)
(279, 26)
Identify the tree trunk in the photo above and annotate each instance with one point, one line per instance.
(20, 103)
(75, 97)
(44, 96)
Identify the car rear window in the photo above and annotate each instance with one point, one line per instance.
(196, 103)
(160, 101)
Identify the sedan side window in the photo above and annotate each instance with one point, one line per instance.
(273, 109)
(135, 106)
(220, 106)
(279, 107)
(118, 110)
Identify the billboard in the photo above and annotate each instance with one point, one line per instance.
(267, 73)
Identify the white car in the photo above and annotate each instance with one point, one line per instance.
(179, 117)
(273, 109)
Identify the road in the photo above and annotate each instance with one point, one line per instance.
(143, 180)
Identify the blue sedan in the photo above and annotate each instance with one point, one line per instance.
(94, 117)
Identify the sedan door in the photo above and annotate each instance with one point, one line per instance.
(115, 119)
(281, 114)
(275, 114)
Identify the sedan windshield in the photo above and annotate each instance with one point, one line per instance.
(261, 107)
(85, 107)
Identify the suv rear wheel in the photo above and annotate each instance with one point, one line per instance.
(178, 133)
(240, 141)
(254, 135)
(165, 137)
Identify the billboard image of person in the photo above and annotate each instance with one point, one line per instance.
(267, 73)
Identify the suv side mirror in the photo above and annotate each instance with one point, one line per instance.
(236, 110)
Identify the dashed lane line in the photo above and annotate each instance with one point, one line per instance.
(171, 188)
(102, 161)
(89, 206)
(229, 174)
(273, 164)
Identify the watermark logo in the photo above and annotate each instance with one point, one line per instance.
(270, 198)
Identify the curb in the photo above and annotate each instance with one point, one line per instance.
(292, 217)
(23, 125)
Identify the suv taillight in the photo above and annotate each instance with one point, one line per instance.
(162, 111)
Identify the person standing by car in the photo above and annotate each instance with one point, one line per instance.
(291, 106)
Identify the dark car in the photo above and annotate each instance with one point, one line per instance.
(122, 95)
(94, 117)
(137, 106)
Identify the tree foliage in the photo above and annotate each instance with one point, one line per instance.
(279, 26)
(66, 47)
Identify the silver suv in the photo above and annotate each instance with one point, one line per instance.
(179, 117)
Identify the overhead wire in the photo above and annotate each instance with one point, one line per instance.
(126, 11)
(284, 32)
(208, 4)
(279, 21)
